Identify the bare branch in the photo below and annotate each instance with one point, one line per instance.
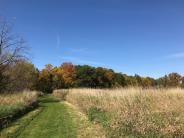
(12, 47)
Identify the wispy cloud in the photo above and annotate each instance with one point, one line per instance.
(179, 55)
(81, 61)
(14, 18)
(58, 41)
(78, 50)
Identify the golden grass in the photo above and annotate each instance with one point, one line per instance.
(85, 129)
(60, 93)
(25, 97)
(136, 112)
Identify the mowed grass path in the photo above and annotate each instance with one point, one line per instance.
(54, 121)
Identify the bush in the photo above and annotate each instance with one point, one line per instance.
(61, 93)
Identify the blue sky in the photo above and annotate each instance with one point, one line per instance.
(144, 37)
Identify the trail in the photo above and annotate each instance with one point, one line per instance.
(53, 120)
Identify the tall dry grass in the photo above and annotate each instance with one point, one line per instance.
(13, 102)
(135, 112)
(25, 97)
(60, 93)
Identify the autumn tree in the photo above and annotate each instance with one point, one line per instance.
(148, 82)
(67, 70)
(100, 79)
(22, 75)
(162, 81)
(68, 75)
(130, 80)
(58, 81)
(139, 80)
(119, 80)
(45, 80)
(170, 80)
(104, 78)
(174, 79)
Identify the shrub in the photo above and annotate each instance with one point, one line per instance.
(61, 93)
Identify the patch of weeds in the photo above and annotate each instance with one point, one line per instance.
(10, 109)
(98, 115)
(16, 127)
(48, 99)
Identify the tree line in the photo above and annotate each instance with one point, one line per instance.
(68, 75)
(23, 75)
(18, 73)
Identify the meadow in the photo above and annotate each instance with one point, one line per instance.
(131, 112)
(95, 113)
(91, 69)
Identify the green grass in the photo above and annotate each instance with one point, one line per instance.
(99, 116)
(6, 110)
(53, 122)
(16, 127)
(52, 119)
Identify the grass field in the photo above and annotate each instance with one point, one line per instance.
(98, 113)
(133, 112)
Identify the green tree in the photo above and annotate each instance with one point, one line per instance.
(85, 76)
(119, 80)
(21, 75)
(104, 77)
(174, 79)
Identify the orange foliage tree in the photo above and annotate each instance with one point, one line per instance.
(68, 73)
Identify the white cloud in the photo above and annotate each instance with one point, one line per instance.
(176, 55)
(81, 61)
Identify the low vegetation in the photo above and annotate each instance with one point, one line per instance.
(53, 121)
(60, 94)
(13, 105)
(16, 127)
(133, 112)
(52, 118)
